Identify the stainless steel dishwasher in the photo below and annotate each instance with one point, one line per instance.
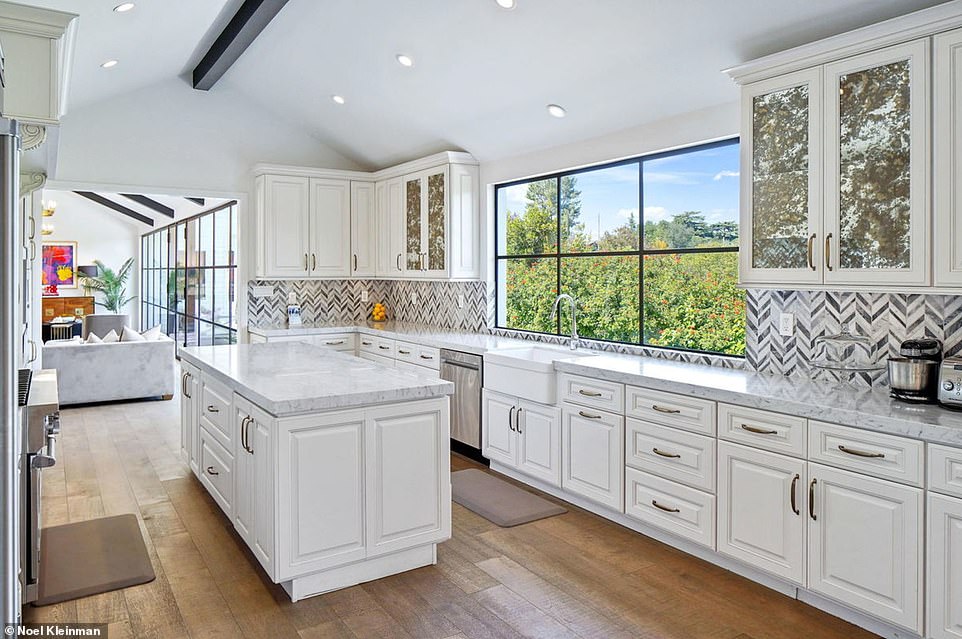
(464, 370)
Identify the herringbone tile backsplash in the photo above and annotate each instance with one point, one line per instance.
(885, 318)
(340, 301)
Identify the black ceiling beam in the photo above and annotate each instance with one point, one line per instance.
(199, 201)
(251, 18)
(153, 205)
(120, 208)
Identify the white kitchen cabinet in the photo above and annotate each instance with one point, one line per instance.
(593, 455)
(947, 141)
(254, 480)
(283, 225)
(680, 510)
(189, 414)
(761, 510)
(523, 435)
(321, 486)
(364, 231)
(390, 224)
(865, 544)
(408, 454)
(330, 228)
(944, 551)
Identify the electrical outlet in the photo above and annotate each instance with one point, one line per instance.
(364, 296)
(786, 324)
(461, 301)
(414, 299)
(262, 291)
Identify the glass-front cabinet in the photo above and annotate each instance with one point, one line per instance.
(840, 196)
(426, 222)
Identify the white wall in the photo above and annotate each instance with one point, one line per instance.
(100, 234)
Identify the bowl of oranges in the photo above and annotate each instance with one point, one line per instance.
(379, 313)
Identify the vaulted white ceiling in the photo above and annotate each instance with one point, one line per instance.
(482, 75)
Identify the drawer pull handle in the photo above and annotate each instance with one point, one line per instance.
(383, 347)
(404, 352)
(211, 471)
(794, 486)
(335, 342)
(588, 416)
(860, 453)
(654, 502)
(758, 431)
(511, 419)
(662, 409)
(588, 393)
(664, 454)
(212, 409)
(366, 343)
(427, 357)
(811, 500)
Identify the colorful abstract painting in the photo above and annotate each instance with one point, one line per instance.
(59, 265)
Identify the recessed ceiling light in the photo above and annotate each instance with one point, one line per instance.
(556, 110)
(506, 4)
(109, 64)
(338, 98)
(127, 6)
(405, 60)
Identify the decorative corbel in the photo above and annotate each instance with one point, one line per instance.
(32, 136)
(30, 182)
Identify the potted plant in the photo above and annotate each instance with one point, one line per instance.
(113, 285)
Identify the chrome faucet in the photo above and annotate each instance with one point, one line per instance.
(573, 341)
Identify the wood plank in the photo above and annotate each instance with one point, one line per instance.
(522, 615)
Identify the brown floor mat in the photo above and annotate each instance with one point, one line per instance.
(498, 501)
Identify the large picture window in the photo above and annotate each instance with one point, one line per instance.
(188, 278)
(648, 247)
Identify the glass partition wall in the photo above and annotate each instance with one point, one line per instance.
(188, 275)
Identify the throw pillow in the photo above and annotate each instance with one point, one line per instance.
(152, 334)
(130, 335)
(110, 337)
(93, 339)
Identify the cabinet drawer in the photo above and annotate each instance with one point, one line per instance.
(216, 470)
(877, 454)
(215, 410)
(596, 393)
(377, 346)
(778, 433)
(336, 341)
(690, 413)
(670, 453)
(417, 354)
(945, 469)
(684, 511)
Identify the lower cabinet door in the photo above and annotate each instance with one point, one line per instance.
(945, 568)
(499, 439)
(320, 508)
(539, 441)
(680, 510)
(243, 471)
(409, 476)
(593, 455)
(761, 510)
(865, 544)
(261, 490)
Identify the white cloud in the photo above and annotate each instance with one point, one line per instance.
(724, 174)
(656, 213)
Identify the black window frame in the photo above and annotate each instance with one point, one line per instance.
(641, 252)
(168, 308)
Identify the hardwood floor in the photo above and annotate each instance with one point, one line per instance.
(575, 575)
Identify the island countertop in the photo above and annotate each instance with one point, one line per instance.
(294, 378)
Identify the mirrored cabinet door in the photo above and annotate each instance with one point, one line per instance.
(876, 204)
(781, 180)
(947, 138)
(414, 258)
(435, 243)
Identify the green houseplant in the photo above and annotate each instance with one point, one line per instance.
(113, 285)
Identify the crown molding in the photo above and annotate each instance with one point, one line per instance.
(429, 162)
(912, 26)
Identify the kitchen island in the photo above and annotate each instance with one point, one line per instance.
(333, 470)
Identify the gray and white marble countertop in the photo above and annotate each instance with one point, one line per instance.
(867, 408)
(293, 378)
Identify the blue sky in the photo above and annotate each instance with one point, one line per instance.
(705, 181)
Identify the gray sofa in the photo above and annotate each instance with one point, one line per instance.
(108, 372)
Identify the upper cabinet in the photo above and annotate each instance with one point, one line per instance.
(37, 47)
(835, 186)
(418, 220)
(947, 140)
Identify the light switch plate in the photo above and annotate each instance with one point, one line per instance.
(364, 296)
(414, 299)
(262, 291)
(786, 324)
(461, 301)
